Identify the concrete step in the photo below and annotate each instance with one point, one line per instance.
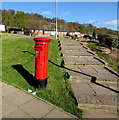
(100, 107)
(73, 48)
(69, 43)
(90, 73)
(67, 40)
(97, 94)
(82, 61)
(102, 112)
(77, 53)
(84, 77)
(94, 85)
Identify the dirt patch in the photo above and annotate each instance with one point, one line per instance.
(114, 56)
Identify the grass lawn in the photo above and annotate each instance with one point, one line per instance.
(21, 52)
(8, 35)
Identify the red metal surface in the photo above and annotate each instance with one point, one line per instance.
(41, 60)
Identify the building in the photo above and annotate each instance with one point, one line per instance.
(16, 31)
(47, 32)
(60, 33)
(2, 28)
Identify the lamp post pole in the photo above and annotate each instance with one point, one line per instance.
(56, 17)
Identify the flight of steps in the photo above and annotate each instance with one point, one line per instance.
(93, 82)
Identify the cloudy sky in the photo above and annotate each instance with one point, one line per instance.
(100, 14)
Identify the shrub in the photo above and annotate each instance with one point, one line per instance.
(87, 36)
(74, 37)
(67, 34)
(108, 41)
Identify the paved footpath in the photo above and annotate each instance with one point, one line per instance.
(93, 82)
(20, 104)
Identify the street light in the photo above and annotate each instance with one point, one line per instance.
(56, 17)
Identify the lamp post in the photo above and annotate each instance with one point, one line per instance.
(40, 25)
(56, 18)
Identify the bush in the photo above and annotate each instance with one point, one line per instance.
(74, 37)
(108, 41)
(67, 34)
(88, 36)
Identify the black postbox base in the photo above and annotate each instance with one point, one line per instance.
(42, 83)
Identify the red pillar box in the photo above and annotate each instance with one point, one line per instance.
(41, 63)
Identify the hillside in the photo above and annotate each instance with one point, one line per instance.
(20, 19)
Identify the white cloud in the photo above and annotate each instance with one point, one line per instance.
(47, 13)
(66, 13)
(112, 23)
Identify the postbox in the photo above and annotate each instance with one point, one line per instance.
(41, 61)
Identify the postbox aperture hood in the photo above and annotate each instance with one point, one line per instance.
(42, 39)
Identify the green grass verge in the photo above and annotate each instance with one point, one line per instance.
(92, 46)
(21, 51)
(8, 35)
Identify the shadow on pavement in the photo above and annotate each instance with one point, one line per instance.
(106, 87)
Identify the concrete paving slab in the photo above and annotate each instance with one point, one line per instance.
(73, 73)
(79, 76)
(84, 62)
(88, 70)
(8, 89)
(103, 107)
(7, 106)
(19, 104)
(102, 89)
(19, 97)
(112, 85)
(87, 61)
(72, 47)
(95, 113)
(61, 40)
(77, 53)
(73, 67)
(70, 43)
(101, 70)
(77, 47)
(36, 108)
(103, 92)
(72, 62)
(17, 113)
(57, 114)
(106, 77)
(105, 74)
(93, 94)
(81, 88)
(97, 99)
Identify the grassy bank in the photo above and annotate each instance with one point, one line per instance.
(106, 57)
(20, 52)
(8, 35)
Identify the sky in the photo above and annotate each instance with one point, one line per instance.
(100, 14)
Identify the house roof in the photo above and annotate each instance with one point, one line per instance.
(46, 29)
